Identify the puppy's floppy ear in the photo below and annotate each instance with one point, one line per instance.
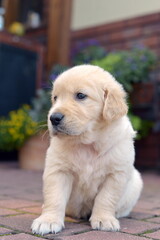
(114, 104)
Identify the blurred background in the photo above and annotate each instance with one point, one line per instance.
(41, 38)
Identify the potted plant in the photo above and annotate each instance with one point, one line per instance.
(20, 132)
(16, 128)
(130, 67)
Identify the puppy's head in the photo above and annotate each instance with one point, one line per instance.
(84, 99)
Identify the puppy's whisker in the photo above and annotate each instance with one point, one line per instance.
(45, 134)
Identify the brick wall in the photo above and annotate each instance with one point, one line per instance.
(125, 34)
(148, 152)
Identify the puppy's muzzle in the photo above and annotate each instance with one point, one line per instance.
(56, 118)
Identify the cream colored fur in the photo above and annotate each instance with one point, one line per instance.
(89, 165)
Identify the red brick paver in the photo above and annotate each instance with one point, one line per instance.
(99, 235)
(18, 222)
(136, 227)
(21, 236)
(71, 229)
(5, 231)
(140, 215)
(154, 220)
(35, 210)
(4, 212)
(16, 203)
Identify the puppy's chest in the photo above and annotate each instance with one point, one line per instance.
(87, 165)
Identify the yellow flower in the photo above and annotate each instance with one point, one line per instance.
(15, 129)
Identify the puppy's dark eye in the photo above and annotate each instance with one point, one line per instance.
(55, 98)
(80, 96)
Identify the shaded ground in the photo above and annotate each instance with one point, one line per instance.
(21, 199)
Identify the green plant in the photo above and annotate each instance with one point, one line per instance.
(141, 126)
(57, 70)
(16, 128)
(40, 106)
(87, 51)
(129, 67)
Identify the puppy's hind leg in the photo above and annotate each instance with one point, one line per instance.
(130, 196)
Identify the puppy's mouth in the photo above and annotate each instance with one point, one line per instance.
(62, 130)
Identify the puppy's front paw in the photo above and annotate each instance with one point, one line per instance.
(46, 224)
(107, 223)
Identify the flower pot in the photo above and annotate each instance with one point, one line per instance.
(143, 94)
(32, 153)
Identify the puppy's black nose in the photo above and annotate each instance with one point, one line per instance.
(56, 118)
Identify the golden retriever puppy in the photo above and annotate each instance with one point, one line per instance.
(89, 168)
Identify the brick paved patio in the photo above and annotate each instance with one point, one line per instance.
(21, 199)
